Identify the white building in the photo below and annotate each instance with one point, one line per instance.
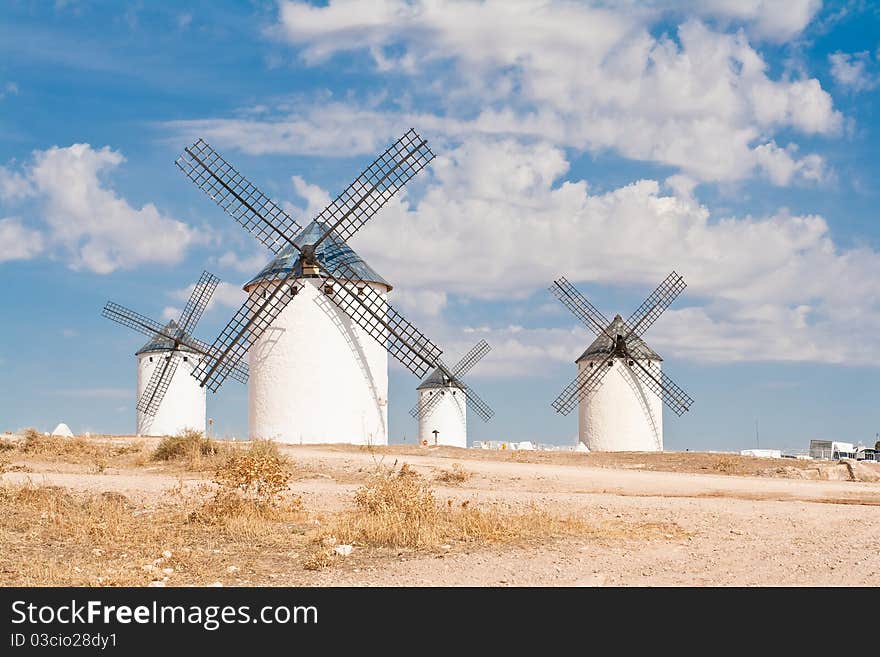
(831, 449)
(184, 403)
(447, 416)
(621, 414)
(315, 376)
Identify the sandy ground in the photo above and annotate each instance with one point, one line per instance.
(735, 530)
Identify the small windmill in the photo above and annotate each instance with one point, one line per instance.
(443, 400)
(620, 383)
(158, 412)
(332, 344)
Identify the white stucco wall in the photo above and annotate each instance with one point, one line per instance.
(184, 404)
(315, 377)
(622, 415)
(448, 416)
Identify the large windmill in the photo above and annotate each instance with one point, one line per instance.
(319, 367)
(168, 404)
(443, 399)
(620, 385)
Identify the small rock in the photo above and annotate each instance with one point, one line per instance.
(149, 567)
(168, 571)
(215, 584)
(157, 582)
(329, 541)
(97, 552)
(232, 569)
(167, 554)
(446, 546)
(343, 550)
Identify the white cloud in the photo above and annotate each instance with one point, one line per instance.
(250, 264)
(781, 166)
(14, 186)
(18, 242)
(86, 220)
(428, 303)
(592, 77)
(767, 19)
(170, 312)
(850, 70)
(316, 198)
(773, 287)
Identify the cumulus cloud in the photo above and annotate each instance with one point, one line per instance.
(774, 287)
(764, 19)
(85, 220)
(249, 264)
(18, 242)
(588, 76)
(851, 70)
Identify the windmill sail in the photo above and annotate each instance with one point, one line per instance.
(361, 200)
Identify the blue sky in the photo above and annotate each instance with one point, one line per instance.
(607, 142)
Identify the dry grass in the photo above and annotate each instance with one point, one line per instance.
(457, 475)
(189, 446)
(51, 536)
(397, 508)
(250, 492)
(98, 453)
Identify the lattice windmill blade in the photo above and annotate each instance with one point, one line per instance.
(369, 310)
(198, 301)
(425, 406)
(134, 320)
(238, 197)
(478, 406)
(586, 380)
(375, 186)
(471, 358)
(580, 306)
(158, 385)
(664, 387)
(254, 316)
(238, 370)
(654, 306)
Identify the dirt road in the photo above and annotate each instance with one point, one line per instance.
(732, 530)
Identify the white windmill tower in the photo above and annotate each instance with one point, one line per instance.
(620, 383)
(319, 365)
(168, 404)
(443, 399)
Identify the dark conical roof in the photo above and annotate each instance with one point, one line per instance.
(436, 379)
(604, 345)
(162, 343)
(332, 252)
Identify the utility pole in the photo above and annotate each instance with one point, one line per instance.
(757, 440)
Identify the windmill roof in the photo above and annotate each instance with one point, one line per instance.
(331, 253)
(161, 343)
(604, 345)
(436, 379)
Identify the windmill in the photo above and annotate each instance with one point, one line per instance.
(620, 384)
(319, 366)
(167, 404)
(443, 400)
